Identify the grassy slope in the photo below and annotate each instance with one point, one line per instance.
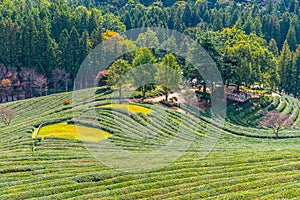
(238, 167)
(70, 131)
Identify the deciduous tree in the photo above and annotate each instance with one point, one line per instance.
(7, 115)
(117, 75)
(276, 121)
(143, 73)
(168, 74)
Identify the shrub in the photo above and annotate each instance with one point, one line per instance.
(169, 104)
(66, 102)
(70, 121)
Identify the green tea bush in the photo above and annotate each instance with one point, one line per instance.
(252, 166)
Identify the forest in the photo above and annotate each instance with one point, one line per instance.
(44, 42)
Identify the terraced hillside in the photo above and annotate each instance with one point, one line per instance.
(250, 114)
(238, 167)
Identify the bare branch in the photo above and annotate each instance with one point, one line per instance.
(276, 121)
(7, 115)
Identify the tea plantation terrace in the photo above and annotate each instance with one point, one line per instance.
(240, 166)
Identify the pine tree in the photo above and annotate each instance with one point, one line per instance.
(275, 28)
(187, 16)
(85, 45)
(29, 42)
(65, 56)
(295, 22)
(292, 6)
(234, 15)
(257, 26)
(269, 7)
(284, 28)
(291, 38)
(285, 67)
(296, 75)
(74, 44)
(148, 39)
(127, 21)
(248, 25)
(92, 22)
(273, 47)
(217, 22)
(46, 46)
(96, 36)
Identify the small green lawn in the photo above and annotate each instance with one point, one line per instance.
(129, 107)
(71, 131)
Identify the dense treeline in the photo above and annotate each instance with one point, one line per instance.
(47, 38)
(268, 19)
(52, 37)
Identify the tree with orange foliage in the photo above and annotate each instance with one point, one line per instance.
(6, 85)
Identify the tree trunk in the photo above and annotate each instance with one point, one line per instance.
(120, 94)
(238, 87)
(54, 87)
(18, 93)
(66, 85)
(167, 95)
(6, 95)
(204, 87)
(73, 82)
(31, 92)
(276, 133)
(144, 92)
(12, 94)
(86, 81)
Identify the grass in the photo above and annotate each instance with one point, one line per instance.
(238, 167)
(71, 131)
(130, 107)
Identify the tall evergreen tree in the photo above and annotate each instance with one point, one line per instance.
(291, 38)
(187, 16)
(64, 49)
(273, 47)
(29, 41)
(74, 44)
(296, 75)
(46, 46)
(248, 25)
(285, 68)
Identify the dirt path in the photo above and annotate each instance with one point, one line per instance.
(180, 99)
